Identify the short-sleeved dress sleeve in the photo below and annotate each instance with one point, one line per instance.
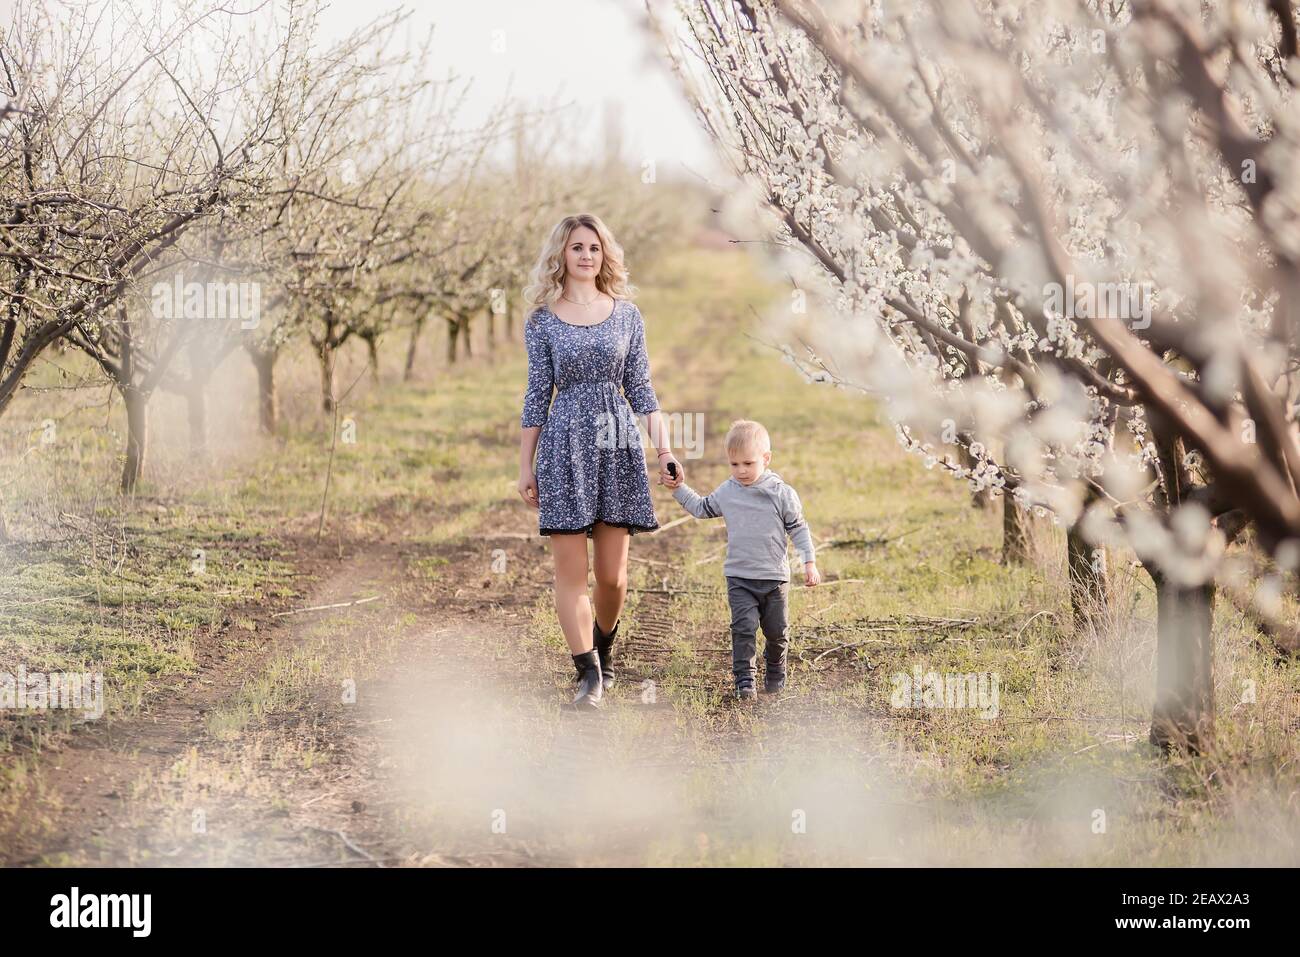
(541, 375)
(636, 371)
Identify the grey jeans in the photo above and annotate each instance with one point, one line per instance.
(757, 602)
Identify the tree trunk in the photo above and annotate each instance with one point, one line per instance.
(1183, 716)
(137, 434)
(416, 328)
(491, 330)
(463, 324)
(326, 356)
(372, 353)
(458, 328)
(1015, 545)
(267, 412)
(206, 352)
(197, 401)
(1089, 585)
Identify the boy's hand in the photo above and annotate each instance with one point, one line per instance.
(811, 576)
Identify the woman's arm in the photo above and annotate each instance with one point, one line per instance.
(541, 377)
(641, 396)
(662, 442)
(537, 404)
(527, 449)
(636, 372)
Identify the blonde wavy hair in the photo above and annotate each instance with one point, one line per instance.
(546, 281)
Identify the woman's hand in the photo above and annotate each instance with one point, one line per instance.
(528, 487)
(664, 477)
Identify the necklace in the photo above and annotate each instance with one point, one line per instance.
(576, 302)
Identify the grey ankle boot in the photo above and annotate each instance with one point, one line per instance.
(589, 684)
(605, 648)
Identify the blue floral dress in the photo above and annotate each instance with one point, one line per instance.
(591, 464)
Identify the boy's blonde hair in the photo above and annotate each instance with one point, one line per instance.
(744, 434)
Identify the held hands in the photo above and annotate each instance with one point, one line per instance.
(528, 487)
(811, 576)
(667, 479)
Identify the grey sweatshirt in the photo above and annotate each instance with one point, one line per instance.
(758, 517)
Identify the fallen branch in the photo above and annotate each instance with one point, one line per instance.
(675, 522)
(902, 623)
(866, 542)
(42, 601)
(874, 641)
(1031, 621)
(380, 861)
(677, 591)
(341, 604)
(348, 842)
(714, 557)
(837, 648)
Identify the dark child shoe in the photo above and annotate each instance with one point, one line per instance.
(745, 689)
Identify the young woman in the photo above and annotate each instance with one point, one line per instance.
(585, 340)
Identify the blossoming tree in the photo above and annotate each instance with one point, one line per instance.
(1064, 230)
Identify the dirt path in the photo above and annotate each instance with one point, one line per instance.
(90, 800)
(420, 726)
(257, 757)
(409, 709)
(456, 749)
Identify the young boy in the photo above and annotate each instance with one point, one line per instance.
(760, 510)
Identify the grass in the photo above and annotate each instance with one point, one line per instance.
(834, 773)
(1063, 774)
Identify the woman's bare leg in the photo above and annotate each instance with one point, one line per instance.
(572, 606)
(611, 572)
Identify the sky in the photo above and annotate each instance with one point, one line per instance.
(586, 53)
(591, 55)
